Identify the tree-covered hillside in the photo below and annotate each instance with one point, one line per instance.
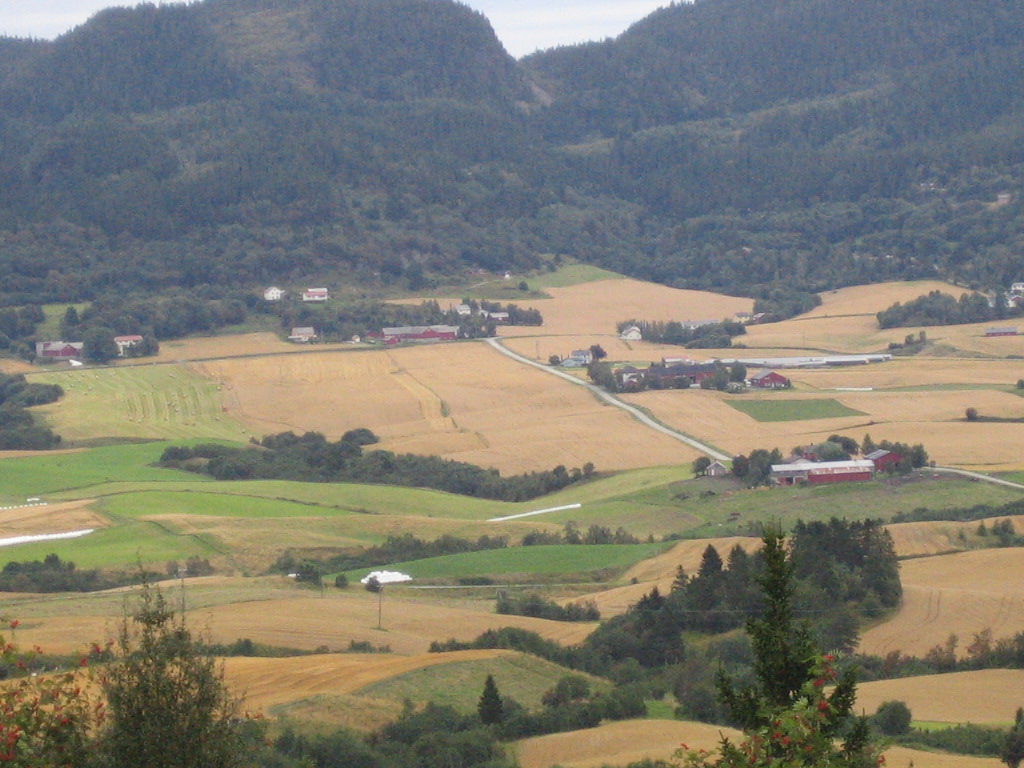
(758, 148)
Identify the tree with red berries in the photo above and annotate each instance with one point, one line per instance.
(798, 709)
(46, 720)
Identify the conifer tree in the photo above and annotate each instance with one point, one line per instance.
(1012, 750)
(787, 717)
(490, 707)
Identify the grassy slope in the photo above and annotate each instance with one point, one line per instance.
(159, 514)
(519, 676)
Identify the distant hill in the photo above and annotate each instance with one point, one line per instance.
(761, 148)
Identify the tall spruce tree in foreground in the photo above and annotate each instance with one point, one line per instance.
(490, 707)
(787, 716)
(168, 706)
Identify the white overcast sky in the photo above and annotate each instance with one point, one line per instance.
(523, 26)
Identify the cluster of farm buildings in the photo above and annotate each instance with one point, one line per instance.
(799, 470)
(803, 470)
(74, 350)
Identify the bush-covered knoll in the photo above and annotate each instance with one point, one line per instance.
(523, 677)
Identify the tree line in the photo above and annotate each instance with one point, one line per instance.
(706, 335)
(312, 458)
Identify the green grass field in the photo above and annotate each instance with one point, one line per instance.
(120, 546)
(540, 561)
(572, 274)
(793, 410)
(73, 474)
(199, 516)
(143, 401)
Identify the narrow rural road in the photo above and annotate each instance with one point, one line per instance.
(609, 398)
(978, 476)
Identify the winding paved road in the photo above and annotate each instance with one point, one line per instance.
(609, 398)
(642, 417)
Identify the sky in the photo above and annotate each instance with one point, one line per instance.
(523, 26)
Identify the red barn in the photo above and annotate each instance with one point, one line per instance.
(59, 350)
(883, 459)
(821, 472)
(419, 334)
(766, 379)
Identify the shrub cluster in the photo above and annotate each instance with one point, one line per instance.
(311, 457)
(18, 427)
(540, 608)
(55, 575)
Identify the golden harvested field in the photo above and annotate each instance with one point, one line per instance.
(846, 322)
(293, 618)
(61, 517)
(929, 538)
(460, 401)
(918, 372)
(943, 536)
(630, 741)
(933, 418)
(901, 757)
(270, 682)
(597, 307)
(869, 299)
(706, 415)
(983, 697)
(409, 624)
(961, 593)
(618, 743)
(204, 347)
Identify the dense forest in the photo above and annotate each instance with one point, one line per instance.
(763, 149)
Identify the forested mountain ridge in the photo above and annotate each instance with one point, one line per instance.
(759, 148)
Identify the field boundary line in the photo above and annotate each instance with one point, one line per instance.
(609, 398)
(536, 512)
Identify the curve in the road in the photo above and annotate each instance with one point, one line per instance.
(609, 398)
